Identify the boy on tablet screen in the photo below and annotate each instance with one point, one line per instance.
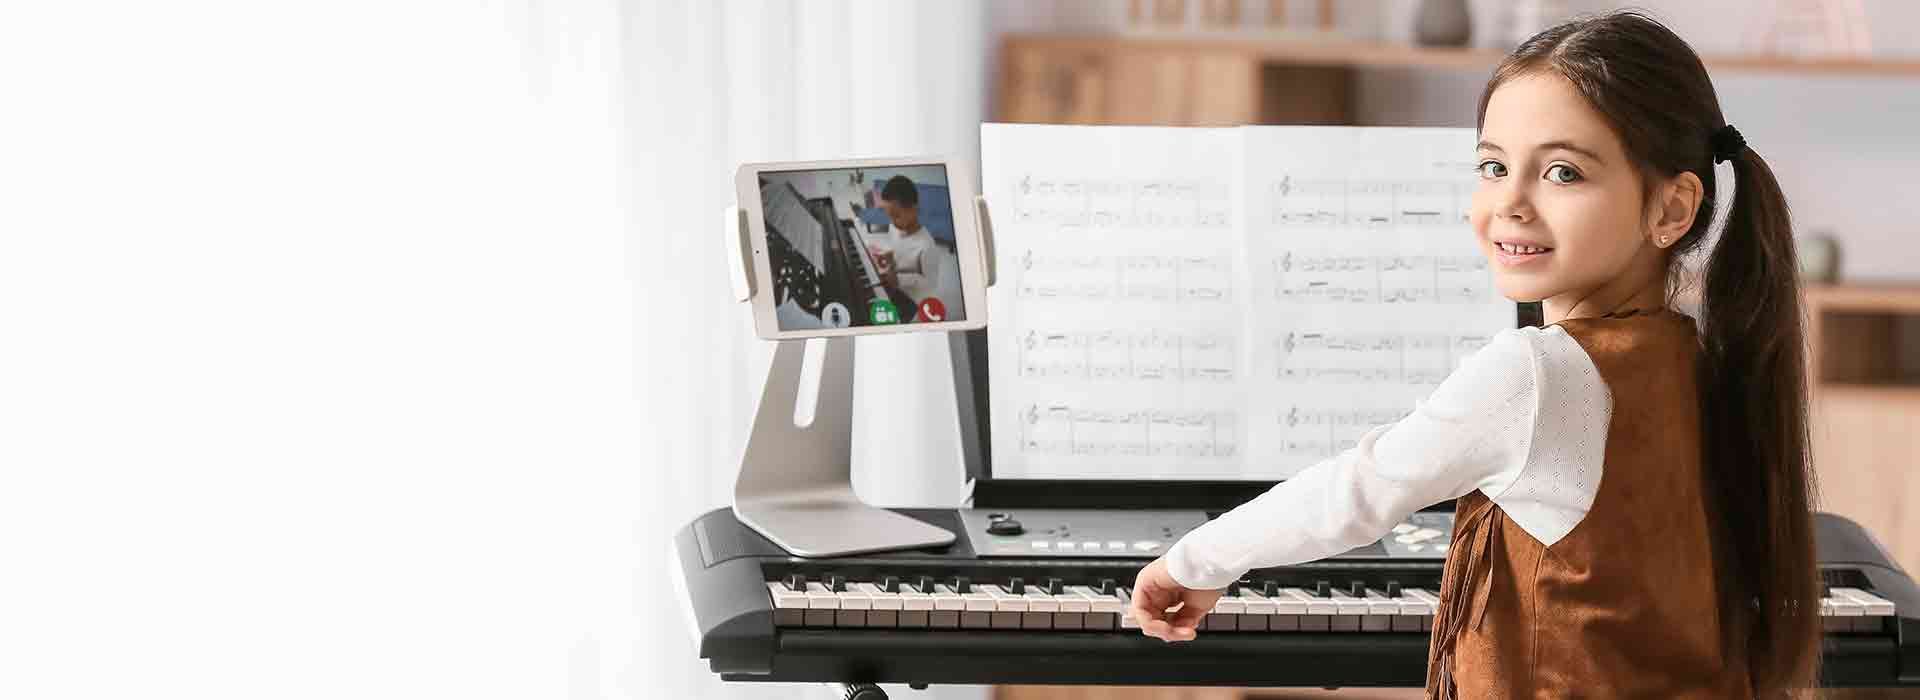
(909, 261)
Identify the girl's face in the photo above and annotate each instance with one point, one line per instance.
(1560, 212)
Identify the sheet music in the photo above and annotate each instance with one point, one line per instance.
(1223, 303)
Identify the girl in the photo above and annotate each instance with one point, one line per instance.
(1632, 513)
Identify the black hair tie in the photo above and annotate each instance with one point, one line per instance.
(1727, 143)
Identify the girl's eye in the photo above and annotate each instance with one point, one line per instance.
(1490, 169)
(1562, 174)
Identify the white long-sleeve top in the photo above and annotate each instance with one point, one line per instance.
(1523, 420)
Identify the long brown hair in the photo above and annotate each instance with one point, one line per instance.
(1655, 93)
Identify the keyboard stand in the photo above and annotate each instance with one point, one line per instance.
(796, 479)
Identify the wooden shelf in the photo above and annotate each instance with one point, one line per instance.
(1864, 298)
(1371, 54)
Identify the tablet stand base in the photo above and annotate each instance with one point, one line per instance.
(796, 480)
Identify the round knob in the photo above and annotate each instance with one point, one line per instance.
(1008, 527)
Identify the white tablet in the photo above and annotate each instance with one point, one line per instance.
(849, 247)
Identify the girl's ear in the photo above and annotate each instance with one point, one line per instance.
(1673, 207)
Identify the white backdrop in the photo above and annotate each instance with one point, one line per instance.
(375, 349)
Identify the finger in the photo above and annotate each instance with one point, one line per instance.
(1186, 621)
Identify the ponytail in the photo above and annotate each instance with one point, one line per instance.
(1753, 411)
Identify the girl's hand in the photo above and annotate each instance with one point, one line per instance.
(1154, 591)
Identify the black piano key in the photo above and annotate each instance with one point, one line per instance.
(1270, 588)
(1107, 586)
(1054, 586)
(1017, 586)
(962, 585)
(1233, 590)
(796, 582)
(1357, 589)
(890, 584)
(837, 584)
(1393, 589)
(925, 585)
(1323, 589)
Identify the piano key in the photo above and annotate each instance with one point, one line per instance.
(1043, 610)
(1348, 612)
(885, 611)
(1258, 612)
(1875, 606)
(789, 606)
(821, 605)
(1226, 613)
(1008, 608)
(978, 610)
(1105, 608)
(1317, 612)
(947, 607)
(854, 605)
(1431, 603)
(1380, 612)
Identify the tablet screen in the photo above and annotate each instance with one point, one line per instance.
(867, 246)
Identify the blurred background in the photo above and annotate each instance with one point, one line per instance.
(377, 349)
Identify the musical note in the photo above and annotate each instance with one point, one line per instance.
(1127, 355)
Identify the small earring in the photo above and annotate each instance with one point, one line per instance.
(1663, 241)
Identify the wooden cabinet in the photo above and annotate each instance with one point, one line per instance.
(1088, 81)
(1864, 391)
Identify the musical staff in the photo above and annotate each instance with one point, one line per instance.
(1321, 433)
(1067, 429)
(1368, 204)
(1372, 358)
(1120, 356)
(1092, 203)
(1385, 279)
(1145, 278)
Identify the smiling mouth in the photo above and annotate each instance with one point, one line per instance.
(1518, 249)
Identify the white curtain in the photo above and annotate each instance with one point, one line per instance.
(376, 349)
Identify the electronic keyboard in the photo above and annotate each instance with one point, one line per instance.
(947, 616)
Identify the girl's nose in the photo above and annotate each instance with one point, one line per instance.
(1513, 206)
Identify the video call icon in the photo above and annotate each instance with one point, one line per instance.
(836, 315)
(883, 312)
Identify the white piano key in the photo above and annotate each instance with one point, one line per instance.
(821, 605)
(1380, 612)
(789, 606)
(1431, 603)
(1316, 614)
(979, 609)
(947, 607)
(1873, 605)
(1043, 612)
(913, 599)
(1348, 612)
(1225, 615)
(1126, 618)
(1103, 611)
(1008, 609)
(1257, 613)
(885, 610)
(854, 605)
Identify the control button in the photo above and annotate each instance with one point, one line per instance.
(1008, 527)
(1089, 546)
(1440, 548)
(1416, 547)
(1427, 533)
(1403, 528)
(1146, 545)
(1042, 544)
(1407, 539)
(883, 313)
(836, 315)
(932, 311)
(1063, 545)
(1116, 546)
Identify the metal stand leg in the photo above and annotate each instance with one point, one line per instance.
(796, 481)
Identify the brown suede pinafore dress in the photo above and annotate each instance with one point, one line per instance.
(1624, 606)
